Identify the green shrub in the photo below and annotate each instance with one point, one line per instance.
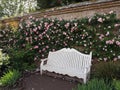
(107, 70)
(94, 84)
(4, 61)
(7, 37)
(42, 4)
(22, 59)
(10, 78)
(116, 84)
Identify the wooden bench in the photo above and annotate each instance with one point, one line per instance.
(68, 62)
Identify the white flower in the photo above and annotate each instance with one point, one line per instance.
(85, 45)
(107, 33)
(75, 24)
(105, 49)
(119, 57)
(113, 54)
(109, 26)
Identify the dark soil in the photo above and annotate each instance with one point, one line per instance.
(35, 81)
(44, 82)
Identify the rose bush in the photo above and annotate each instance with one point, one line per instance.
(97, 34)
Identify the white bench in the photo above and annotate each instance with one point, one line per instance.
(68, 62)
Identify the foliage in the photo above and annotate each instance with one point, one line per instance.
(4, 61)
(108, 70)
(13, 25)
(97, 34)
(7, 37)
(18, 57)
(4, 58)
(42, 4)
(116, 84)
(10, 8)
(22, 59)
(67, 2)
(95, 84)
(10, 78)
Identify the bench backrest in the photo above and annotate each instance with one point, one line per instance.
(69, 58)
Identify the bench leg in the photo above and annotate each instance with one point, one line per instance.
(40, 71)
(84, 80)
(88, 76)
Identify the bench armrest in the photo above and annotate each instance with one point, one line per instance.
(42, 61)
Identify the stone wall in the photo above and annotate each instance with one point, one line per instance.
(78, 10)
(82, 9)
(88, 13)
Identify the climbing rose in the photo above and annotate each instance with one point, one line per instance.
(100, 20)
(35, 47)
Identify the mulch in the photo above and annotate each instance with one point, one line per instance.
(36, 81)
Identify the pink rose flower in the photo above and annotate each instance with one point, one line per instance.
(35, 58)
(35, 29)
(111, 12)
(37, 19)
(101, 37)
(23, 45)
(75, 24)
(115, 59)
(30, 17)
(43, 49)
(47, 46)
(39, 27)
(100, 20)
(27, 39)
(105, 59)
(110, 41)
(67, 25)
(35, 38)
(26, 33)
(53, 50)
(64, 33)
(72, 29)
(45, 24)
(116, 25)
(45, 16)
(39, 51)
(60, 19)
(36, 47)
(117, 43)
